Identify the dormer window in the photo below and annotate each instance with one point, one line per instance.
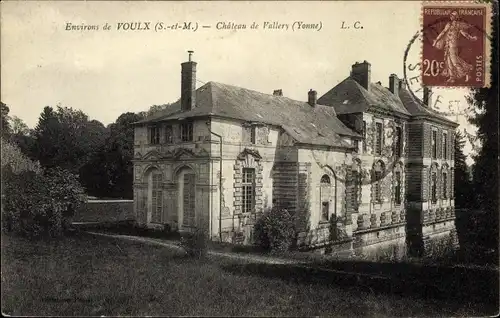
(186, 131)
(249, 134)
(252, 135)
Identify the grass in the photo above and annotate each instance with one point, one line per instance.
(90, 275)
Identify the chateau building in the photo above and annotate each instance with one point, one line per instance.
(373, 163)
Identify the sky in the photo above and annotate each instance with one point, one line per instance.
(109, 72)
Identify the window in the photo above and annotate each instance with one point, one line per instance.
(378, 186)
(356, 145)
(169, 138)
(377, 178)
(434, 144)
(445, 186)
(325, 208)
(356, 176)
(364, 136)
(187, 131)
(397, 188)
(156, 198)
(252, 135)
(445, 149)
(154, 135)
(188, 199)
(249, 133)
(399, 142)
(248, 187)
(433, 188)
(378, 145)
(325, 187)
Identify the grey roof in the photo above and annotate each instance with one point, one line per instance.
(316, 125)
(350, 97)
(416, 107)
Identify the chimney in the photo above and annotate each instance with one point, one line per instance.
(401, 84)
(188, 84)
(278, 92)
(312, 97)
(394, 83)
(361, 73)
(427, 97)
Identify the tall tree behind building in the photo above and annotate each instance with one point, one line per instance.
(485, 172)
(464, 196)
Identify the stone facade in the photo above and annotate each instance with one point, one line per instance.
(385, 191)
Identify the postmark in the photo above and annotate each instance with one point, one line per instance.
(455, 45)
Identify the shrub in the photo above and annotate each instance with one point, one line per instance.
(275, 230)
(195, 243)
(33, 203)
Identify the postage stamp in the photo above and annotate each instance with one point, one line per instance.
(456, 44)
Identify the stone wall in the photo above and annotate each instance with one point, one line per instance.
(105, 211)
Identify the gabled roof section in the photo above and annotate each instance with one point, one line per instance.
(416, 108)
(316, 125)
(350, 97)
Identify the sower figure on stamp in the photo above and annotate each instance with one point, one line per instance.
(454, 66)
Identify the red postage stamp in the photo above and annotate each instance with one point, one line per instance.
(456, 44)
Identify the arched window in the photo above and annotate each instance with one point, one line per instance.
(325, 194)
(153, 200)
(325, 179)
(156, 197)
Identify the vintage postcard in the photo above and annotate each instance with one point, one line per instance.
(249, 158)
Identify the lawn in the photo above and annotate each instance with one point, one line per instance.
(87, 275)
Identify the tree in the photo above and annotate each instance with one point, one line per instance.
(13, 157)
(22, 136)
(5, 121)
(121, 153)
(156, 109)
(66, 138)
(19, 126)
(484, 102)
(463, 187)
(110, 171)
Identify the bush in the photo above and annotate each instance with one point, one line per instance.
(34, 203)
(195, 243)
(275, 230)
